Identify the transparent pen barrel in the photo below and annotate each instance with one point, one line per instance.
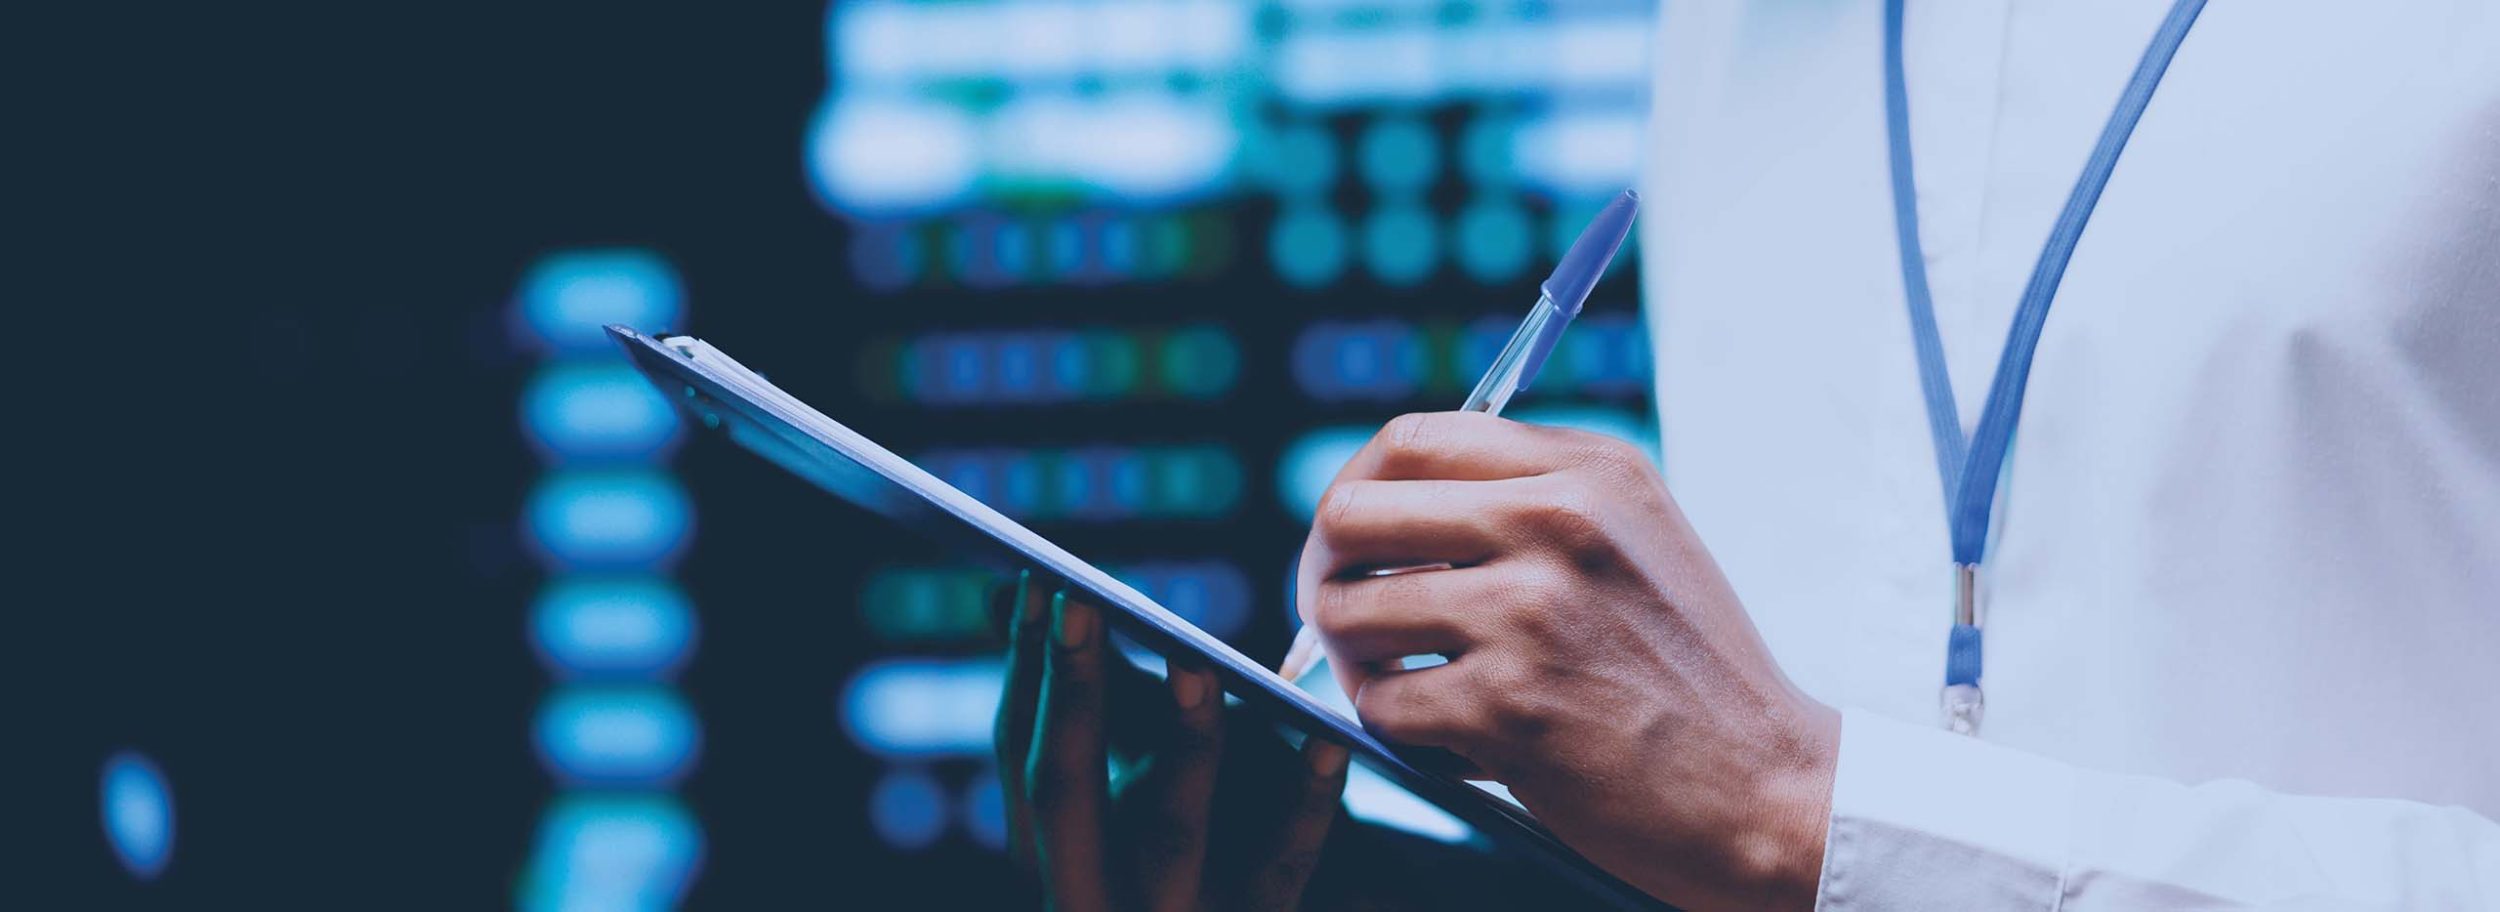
(1501, 380)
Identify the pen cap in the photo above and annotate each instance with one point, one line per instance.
(1568, 287)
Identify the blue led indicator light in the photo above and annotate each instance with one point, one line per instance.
(1120, 245)
(568, 298)
(1128, 477)
(1066, 253)
(596, 411)
(1311, 461)
(908, 809)
(984, 810)
(923, 707)
(138, 809)
(1381, 360)
(609, 519)
(626, 736)
(887, 257)
(630, 852)
(1016, 368)
(1210, 594)
(1011, 247)
(612, 628)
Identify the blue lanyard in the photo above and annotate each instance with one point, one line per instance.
(1969, 469)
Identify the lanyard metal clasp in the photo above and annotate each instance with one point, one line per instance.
(1962, 701)
(1966, 595)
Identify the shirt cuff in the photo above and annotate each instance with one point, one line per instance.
(1926, 819)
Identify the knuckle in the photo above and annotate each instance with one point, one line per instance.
(1337, 505)
(1406, 440)
(1616, 451)
(1623, 466)
(1332, 610)
(1568, 514)
(1604, 450)
(1513, 707)
(1536, 600)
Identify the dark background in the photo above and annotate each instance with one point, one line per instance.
(268, 465)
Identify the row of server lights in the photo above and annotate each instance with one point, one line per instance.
(986, 249)
(1398, 240)
(1053, 366)
(1095, 483)
(937, 107)
(607, 520)
(1386, 360)
(1528, 185)
(948, 607)
(929, 720)
(1494, 238)
(1392, 360)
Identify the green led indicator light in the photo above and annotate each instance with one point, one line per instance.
(1400, 155)
(1199, 362)
(1494, 240)
(1401, 242)
(1308, 245)
(1114, 358)
(1300, 160)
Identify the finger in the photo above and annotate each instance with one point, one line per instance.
(1278, 882)
(1363, 524)
(1429, 612)
(1441, 706)
(1459, 446)
(1028, 626)
(1065, 781)
(1171, 848)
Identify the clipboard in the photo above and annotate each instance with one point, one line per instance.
(716, 392)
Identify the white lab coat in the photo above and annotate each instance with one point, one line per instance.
(2243, 592)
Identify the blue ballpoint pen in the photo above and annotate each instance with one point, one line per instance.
(1558, 301)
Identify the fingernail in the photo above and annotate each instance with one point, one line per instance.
(1076, 622)
(1327, 758)
(1189, 687)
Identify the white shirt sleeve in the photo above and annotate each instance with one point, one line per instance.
(1926, 819)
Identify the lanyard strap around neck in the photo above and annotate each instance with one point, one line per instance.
(1969, 469)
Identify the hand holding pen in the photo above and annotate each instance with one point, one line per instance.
(1558, 302)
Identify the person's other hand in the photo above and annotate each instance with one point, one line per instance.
(1599, 663)
(1160, 838)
